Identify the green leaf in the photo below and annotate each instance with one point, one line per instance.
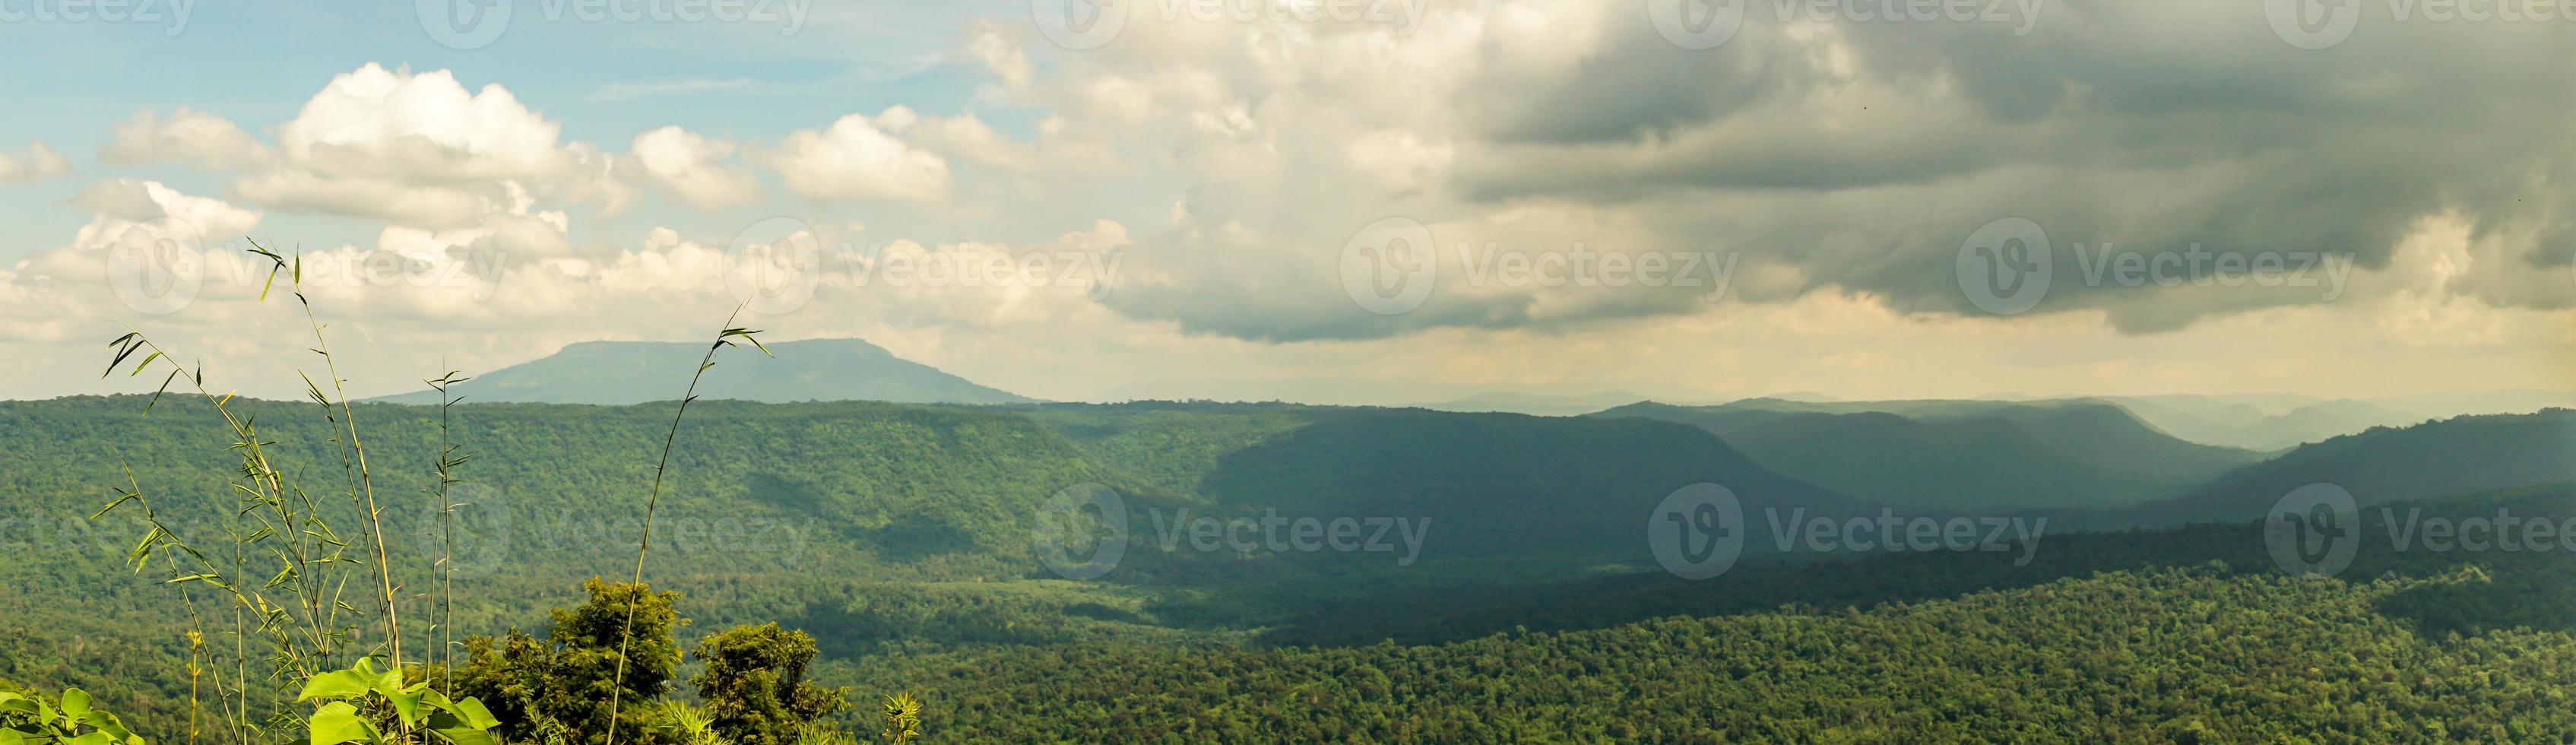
(111, 726)
(388, 682)
(338, 684)
(94, 738)
(467, 736)
(338, 722)
(406, 703)
(471, 710)
(75, 704)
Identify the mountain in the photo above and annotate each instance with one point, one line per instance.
(627, 372)
(2183, 635)
(2514, 401)
(2260, 422)
(900, 537)
(2383, 464)
(1961, 455)
(1537, 404)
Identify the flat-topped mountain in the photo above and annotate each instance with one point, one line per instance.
(629, 372)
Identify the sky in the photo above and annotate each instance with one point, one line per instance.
(1336, 201)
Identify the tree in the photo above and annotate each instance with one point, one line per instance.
(754, 684)
(561, 686)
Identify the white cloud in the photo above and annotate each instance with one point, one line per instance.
(859, 158)
(188, 137)
(420, 149)
(691, 166)
(35, 163)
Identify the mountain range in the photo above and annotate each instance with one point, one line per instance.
(631, 372)
(1962, 455)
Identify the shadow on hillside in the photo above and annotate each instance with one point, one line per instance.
(2475, 592)
(1437, 615)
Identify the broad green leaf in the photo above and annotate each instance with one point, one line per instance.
(75, 703)
(338, 684)
(467, 736)
(338, 722)
(475, 716)
(406, 703)
(388, 682)
(94, 738)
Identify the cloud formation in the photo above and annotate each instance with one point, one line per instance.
(1587, 193)
(34, 163)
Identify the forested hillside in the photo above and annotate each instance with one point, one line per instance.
(2392, 464)
(899, 537)
(1961, 455)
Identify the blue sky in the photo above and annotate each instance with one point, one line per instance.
(604, 82)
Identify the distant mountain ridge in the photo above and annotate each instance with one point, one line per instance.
(2074, 454)
(631, 372)
(2261, 422)
(2387, 464)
